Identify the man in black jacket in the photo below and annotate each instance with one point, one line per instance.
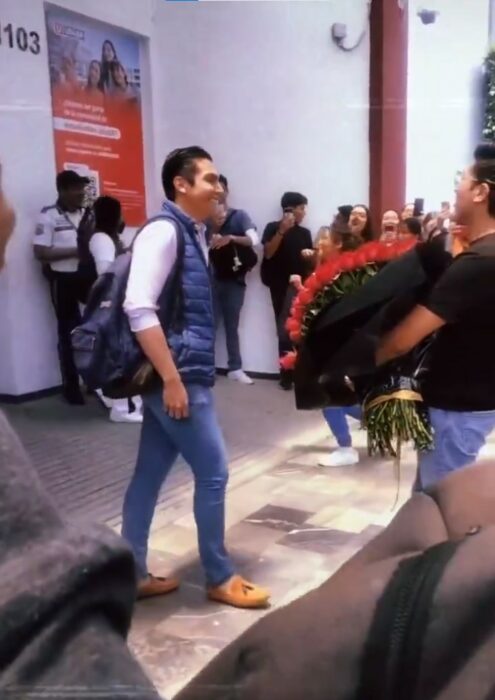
(284, 242)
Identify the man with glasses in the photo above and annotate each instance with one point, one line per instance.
(459, 384)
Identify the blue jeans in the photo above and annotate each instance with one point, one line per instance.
(199, 440)
(337, 422)
(458, 438)
(229, 300)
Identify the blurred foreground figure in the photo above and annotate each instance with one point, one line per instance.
(67, 594)
(7, 222)
(411, 615)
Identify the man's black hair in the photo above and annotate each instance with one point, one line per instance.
(108, 213)
(181, 163)
(413, 225)
(293, 200)
(224, 182)
(484, 170)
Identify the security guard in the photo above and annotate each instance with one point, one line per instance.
(56, 246)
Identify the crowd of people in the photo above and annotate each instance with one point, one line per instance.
(76, 244)
(179, 416)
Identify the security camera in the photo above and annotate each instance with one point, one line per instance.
(339, 32)
(428, 16)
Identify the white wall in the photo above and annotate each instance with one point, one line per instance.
(260, 84)
(28, 339)
(444, 94)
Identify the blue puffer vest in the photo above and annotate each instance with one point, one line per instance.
(191, 334)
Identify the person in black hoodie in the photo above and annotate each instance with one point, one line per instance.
(284, 242)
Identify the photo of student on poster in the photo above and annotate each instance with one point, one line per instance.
(95, 81)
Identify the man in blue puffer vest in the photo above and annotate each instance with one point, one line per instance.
(180, 417)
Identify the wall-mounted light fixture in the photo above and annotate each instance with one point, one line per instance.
(339, 33)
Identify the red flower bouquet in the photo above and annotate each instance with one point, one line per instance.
(391, 416)
(333, 279)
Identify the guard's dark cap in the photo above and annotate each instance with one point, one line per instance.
(69, 179)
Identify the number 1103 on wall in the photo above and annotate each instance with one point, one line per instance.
(19, 38)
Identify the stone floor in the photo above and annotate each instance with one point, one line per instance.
(290, 524)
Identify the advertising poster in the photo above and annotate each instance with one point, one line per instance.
(95, 80)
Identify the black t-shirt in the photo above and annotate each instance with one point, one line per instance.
(461, 363)
(288, 260)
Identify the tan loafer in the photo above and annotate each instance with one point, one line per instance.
(155, 586)
(240, 593)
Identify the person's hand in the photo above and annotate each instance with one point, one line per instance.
(296, 281)
(175, 399)
(308, 253)
(218, 241)
(288, 222)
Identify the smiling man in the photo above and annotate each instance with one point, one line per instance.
(179, 416)
(459, 386)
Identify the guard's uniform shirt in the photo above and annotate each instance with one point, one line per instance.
(58, 229)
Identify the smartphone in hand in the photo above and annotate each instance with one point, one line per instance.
(419, 207)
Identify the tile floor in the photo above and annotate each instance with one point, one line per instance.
(290, 524)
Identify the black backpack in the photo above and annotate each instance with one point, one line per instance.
(233, 261)
(106, 352)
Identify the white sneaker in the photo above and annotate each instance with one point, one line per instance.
(342, 457)
(103, 399)
(118, 417)
(138, 403)
(240, 376)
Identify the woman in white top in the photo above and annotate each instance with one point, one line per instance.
(104, 246)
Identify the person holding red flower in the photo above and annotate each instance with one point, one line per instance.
(330, 243)
(458, 384)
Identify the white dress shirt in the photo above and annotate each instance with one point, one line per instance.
(253, 236)
(102, 248)
(153, 256)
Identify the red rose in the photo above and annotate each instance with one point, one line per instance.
(288, 361)
(298, 312)
(346, 262)
(326, 273)
(360, 258)
(313, 283)
(305, 296)
(295, 336)
(384, 253)
(292, 324)
(392, 252)
(371, 251)
(374, 251)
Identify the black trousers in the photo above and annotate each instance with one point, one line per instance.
(282, 296)
(66, 293)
